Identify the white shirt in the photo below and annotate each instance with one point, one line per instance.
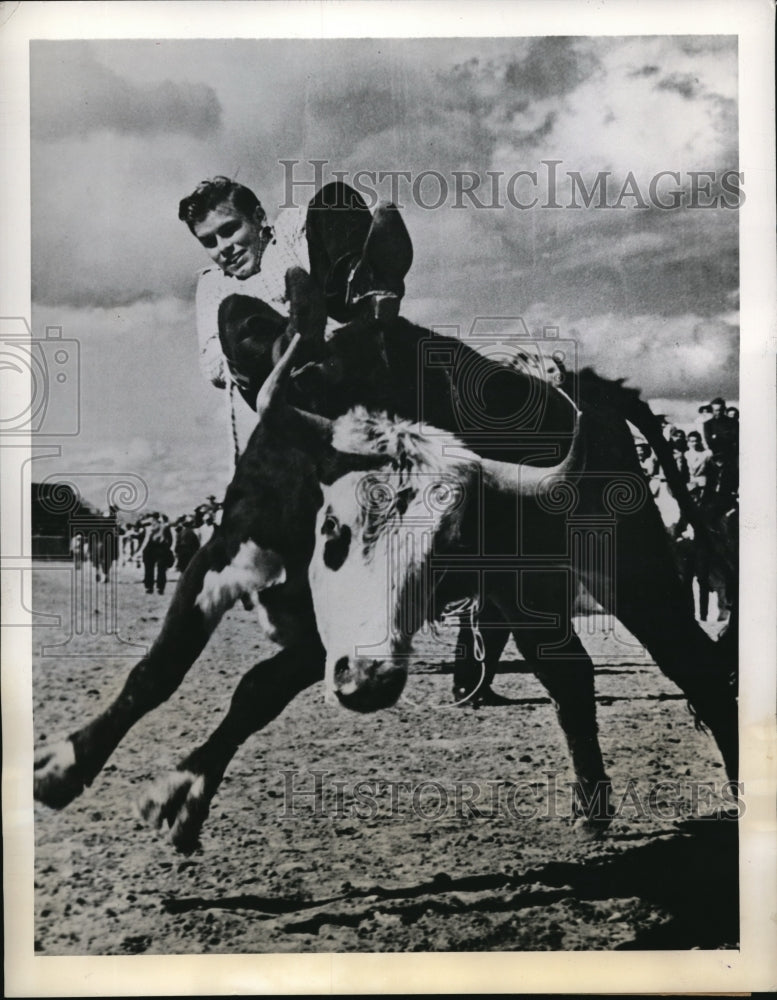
(697, 461)
(204, 532)
(288, 248)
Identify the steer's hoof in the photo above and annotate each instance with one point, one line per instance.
(177, 802)
(56, 779)
(591, 828)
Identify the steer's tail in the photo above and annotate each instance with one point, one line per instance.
(597, 392)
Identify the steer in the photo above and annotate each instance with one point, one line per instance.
(386, 558)
(262, 548)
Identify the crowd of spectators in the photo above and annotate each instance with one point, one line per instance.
(158, 544)
(707, 459)
(706, 456)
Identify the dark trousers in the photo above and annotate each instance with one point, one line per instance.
(186, 549)
(155, 561)
(338, 223)
(341, 239)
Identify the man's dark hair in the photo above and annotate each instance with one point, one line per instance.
(211, 194)
(718, 401)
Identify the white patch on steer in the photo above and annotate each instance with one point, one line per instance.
(54, 762)
(378, 597)
(251, 570)
(161, 792)
(330, 697)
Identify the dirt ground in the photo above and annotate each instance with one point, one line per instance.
(423, 828)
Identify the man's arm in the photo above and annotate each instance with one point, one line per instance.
(212, 362)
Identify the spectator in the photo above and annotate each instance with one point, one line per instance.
(647, 460)
(676, 437)
(678, 455)
(157, 552)
(187, 544)
(697, 458)
(205, 524)
(720, 431)
(722, 485)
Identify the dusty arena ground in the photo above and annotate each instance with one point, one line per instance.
(434, 828)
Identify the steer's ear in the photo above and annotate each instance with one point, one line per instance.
(333, 464)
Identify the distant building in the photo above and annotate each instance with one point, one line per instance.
(54, 507)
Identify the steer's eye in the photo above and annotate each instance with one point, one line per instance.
(330, 525)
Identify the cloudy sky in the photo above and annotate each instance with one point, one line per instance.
(122, 130)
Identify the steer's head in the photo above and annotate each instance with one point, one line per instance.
(374, 534)
(370, 575)
(394, 491)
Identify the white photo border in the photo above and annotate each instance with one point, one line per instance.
(753, 967)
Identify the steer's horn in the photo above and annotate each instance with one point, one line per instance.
(273, 385)
(272, 395)
(271, 398)
(531, 480)
(321, 427)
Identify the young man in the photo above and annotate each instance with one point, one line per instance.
(332, 261)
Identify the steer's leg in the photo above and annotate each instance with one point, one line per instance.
(181, 800)
(647, 598)
(559, 660)
(569, 680)
(64, 769)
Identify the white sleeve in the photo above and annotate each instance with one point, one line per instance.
(212, 361)
(291, 235)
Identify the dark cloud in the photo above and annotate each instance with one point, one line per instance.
(72, 94)
(603, 260)
(685, 84)
(552, 67)
(645, 71)
(507, 82)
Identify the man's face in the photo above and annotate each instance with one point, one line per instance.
(234, 241)
(717, 410)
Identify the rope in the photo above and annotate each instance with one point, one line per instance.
(233, 425)
(455, 611)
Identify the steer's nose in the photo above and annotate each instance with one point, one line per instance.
(365, 685)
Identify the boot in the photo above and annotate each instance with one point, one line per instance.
(378, 275)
